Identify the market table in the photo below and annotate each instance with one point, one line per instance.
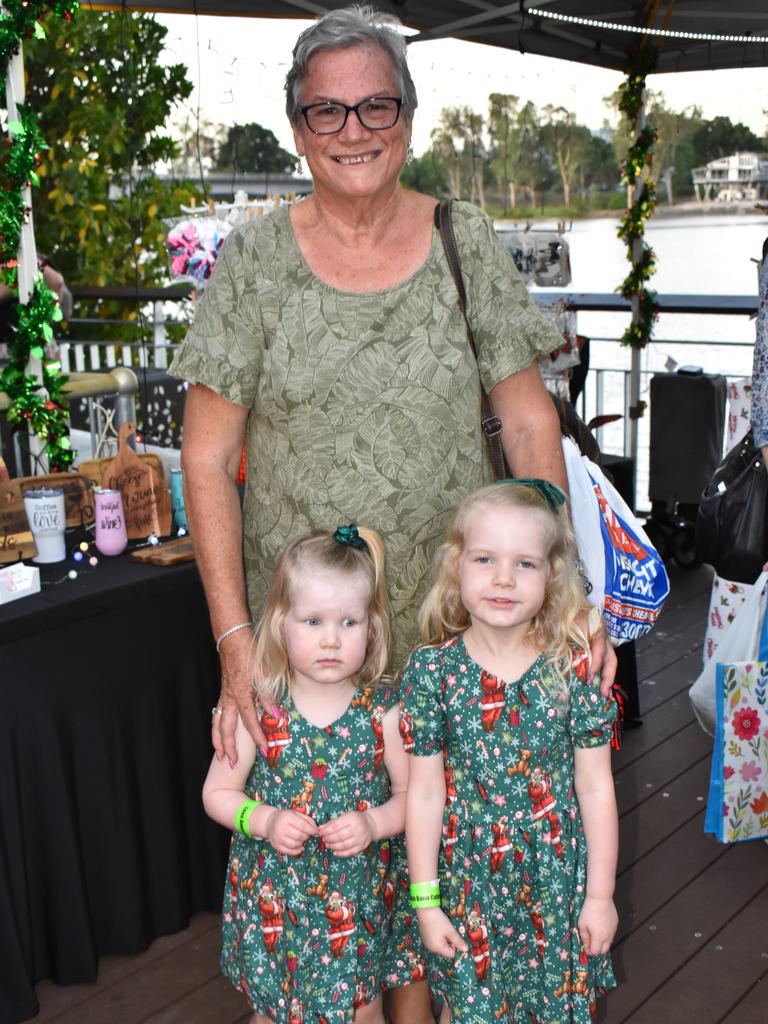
(106, 686)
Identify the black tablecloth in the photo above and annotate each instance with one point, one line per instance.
(106, 686)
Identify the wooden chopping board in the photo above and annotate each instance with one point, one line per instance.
(78, 496)
(172, 552)
(146, 499)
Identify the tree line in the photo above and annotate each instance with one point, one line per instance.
(521, 156)
(111, 111)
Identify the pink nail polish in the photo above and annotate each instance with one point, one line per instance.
(263, 751)
(230, 762)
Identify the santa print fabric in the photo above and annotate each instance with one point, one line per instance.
(311, 938)
(513, 853)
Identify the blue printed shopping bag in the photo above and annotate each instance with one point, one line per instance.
(627, 575)
(737, 807)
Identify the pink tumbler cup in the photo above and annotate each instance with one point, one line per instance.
(111, 535)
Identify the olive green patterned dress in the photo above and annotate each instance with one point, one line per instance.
(364, 407)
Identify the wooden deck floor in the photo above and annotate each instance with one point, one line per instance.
(693, 938)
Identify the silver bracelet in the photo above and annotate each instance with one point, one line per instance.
(229, 632)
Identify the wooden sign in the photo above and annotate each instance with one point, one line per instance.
(16, 540)
(78, 494)
(172, 552)
(93, 469)
(146, 499)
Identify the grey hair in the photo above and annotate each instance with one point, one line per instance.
(357, 25)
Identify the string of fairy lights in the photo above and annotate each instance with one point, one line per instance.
(659, 33)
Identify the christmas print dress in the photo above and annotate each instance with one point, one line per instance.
(513, 852)
(309, 939)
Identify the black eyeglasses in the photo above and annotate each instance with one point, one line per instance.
(329, 117)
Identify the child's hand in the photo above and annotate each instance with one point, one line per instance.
(348, 834)
(438, 934)
(598, 922)
(288, 832)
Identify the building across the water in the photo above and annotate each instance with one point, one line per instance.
(741, 177)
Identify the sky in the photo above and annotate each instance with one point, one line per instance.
(242, 63)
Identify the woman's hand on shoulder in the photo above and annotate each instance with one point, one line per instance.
(438, 933)
(598, 922)
(288, 832)
(348, 834)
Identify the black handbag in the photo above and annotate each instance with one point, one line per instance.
(732, 521)
(489, 421)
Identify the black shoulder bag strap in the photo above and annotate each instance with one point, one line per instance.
(489, 421)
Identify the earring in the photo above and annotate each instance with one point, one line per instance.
(409, 155)
(299, 165)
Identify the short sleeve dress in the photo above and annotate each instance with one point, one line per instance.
(513, 852)
(363, 407)
(311, 938)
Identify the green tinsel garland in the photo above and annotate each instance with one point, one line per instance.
(20, 149)
(21, 19)
(20, 146)
(641, 271)
(639, 155)
(43, 412)
(637, 334)
(632, 226)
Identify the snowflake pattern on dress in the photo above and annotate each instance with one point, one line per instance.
(312, 938)
(513, 853)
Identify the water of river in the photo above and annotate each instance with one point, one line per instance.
(696, 254)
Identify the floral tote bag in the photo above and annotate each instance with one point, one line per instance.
(737, 808)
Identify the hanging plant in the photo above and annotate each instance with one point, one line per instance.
(636, 175)
(37, 405)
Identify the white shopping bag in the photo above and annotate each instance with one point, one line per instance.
(738, 642)
(629, 581)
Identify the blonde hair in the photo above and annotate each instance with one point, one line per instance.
(554, 628)
(319, 550)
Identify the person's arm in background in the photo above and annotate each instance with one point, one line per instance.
(759, 394)
(210, 456)
(530, 436)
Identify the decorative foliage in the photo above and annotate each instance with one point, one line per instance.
(44, 413)
(640, 330)
(20, 145)
(21, 19)
(639, 155)
(636, 175)
(20, 148)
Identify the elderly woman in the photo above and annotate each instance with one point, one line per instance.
(331, 336)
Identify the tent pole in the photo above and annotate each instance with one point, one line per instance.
(631, 446)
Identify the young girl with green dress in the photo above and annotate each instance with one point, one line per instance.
(314, 924)
(511, 823)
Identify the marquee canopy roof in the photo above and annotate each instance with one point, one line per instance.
(706, 33)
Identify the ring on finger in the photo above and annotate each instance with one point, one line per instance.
(217, 710)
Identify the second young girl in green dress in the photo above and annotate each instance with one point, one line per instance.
(314, 925)
(511, 823)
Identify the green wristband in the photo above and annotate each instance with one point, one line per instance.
(243, 816)
(420, 902)
(429, 889)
